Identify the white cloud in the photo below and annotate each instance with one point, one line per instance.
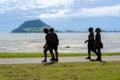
(100, 11)
(55, 3)
(57, 8)
(93, 0)
(26, 5)
(59, 13)
(7, 1)
(86, 12)
(6, 5)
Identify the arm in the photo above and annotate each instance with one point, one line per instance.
(46, 42)
(86, 41)
(45, 45)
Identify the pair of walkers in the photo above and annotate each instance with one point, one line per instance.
(94, 45)
(51, 44)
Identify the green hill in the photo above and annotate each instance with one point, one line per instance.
(33, 26)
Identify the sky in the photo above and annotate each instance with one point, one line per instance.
(76, 15)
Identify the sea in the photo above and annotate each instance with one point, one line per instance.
(68, 42)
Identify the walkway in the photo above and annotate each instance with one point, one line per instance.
(61, 59)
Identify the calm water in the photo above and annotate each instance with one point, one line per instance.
(34, 42)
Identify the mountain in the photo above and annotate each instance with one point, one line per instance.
(33, 26)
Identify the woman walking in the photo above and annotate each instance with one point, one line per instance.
(98, 44)
(90, 43)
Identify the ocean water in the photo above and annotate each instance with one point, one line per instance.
(34, 42)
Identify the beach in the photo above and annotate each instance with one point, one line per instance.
(68, 42)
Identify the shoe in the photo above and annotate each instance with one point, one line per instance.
(52, 59)
(98, 59)
(44, 60)
(88, 58)
(56, 59)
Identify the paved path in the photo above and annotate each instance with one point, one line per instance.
(61, 59)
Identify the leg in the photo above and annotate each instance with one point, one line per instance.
(51, 52)
(99, 54)
(45, 54)
(56, 53)
(89, 53)
(95, 51)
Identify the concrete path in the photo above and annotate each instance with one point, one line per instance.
(61, 59)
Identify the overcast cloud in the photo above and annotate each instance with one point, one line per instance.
(60, 8)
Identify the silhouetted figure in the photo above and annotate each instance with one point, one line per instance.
(98, 43)
(56, 43)
(48, 45)
(90, 43)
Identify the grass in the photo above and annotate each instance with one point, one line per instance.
(36, 55)
(62, 71)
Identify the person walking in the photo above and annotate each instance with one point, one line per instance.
(98, 43)
(56, 43)
(48, 45)
(90, 43)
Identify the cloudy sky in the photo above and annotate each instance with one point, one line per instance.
(61, 14)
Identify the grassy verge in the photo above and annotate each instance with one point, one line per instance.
(36, 55)
(62, 71)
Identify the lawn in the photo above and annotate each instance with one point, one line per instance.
(36, 55)
(62, 71)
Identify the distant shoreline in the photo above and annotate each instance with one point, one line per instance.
(74, 32)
